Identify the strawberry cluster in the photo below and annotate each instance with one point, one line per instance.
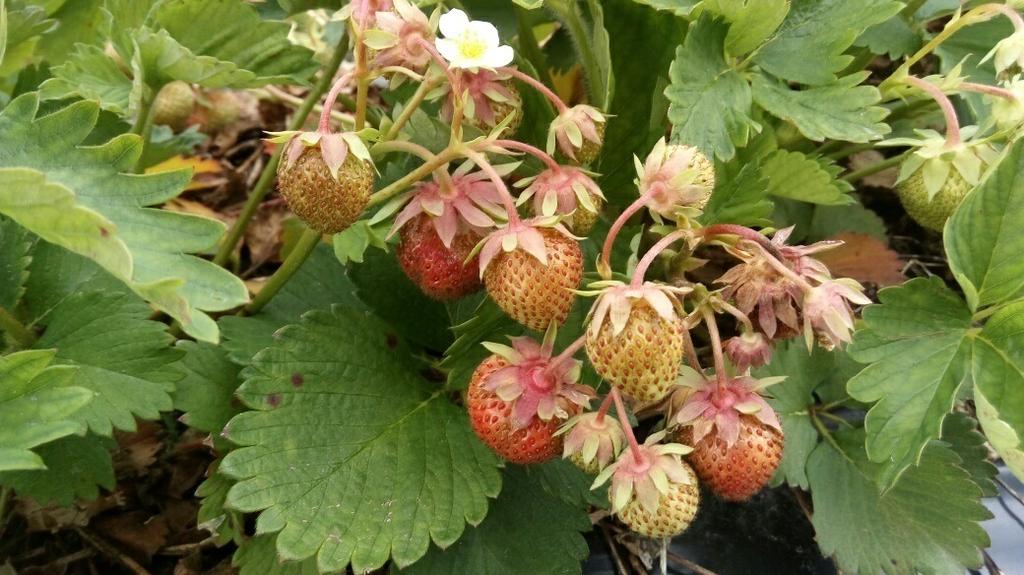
(460, 229)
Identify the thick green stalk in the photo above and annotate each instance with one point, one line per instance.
(873, 169)
(143, 127)
(15, 329)
(528, 45)
(307, 242)
(266, 179)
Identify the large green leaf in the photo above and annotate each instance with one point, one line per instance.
(232, 32)
(808, 47)
(841, 110)
(796, 176)
(81, 21)
(739, 198)
(916, 342)
(677, 7)
(349, 453)
(710, 102)
(751, 22)
(637, 122)
(983, 239)
(527, 530)
(928, 523)
(998, 371)
(92, 75)
(319, 283)
(76, 468)
(25, 25)
(125, 359)
(87, 204)
(37, 405)
(207, 392)
(14, 260)
(258, 556)
(961, 433)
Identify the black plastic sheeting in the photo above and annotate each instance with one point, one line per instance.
(770, 536)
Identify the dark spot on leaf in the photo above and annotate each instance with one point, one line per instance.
(297, 379)
(274, 399)
(392, 341)
(104, 232)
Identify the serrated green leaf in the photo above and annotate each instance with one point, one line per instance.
(808, 47)
(349, 453)
(677, 7)
(709, 101)
(562, 480)
(14, 261)
(319, 283)
(351, 244)
(794, 175)
(982, 237)
(76, 468)
(90, 74)
(258, 556)
(751, 22)
(212, 516)
(792, 400)
(893, 38)
(25, 25)
(383, 286)
(233, 32)
(998, 371)
(917, 344)
(637, 122)
(81, 21)
(739, 199)
(56, 273)
(830, 220)
(125, 359)
(928, 522)
(160, 267)
(842, 110)
(37, 405)
(206, 392)
(961, 433)
(122, 18)
(526, 531)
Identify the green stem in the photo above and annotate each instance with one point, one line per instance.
(412, 177)
(143, 127)
(410, 107)
(992, 310)
(15, 329)
(266, 179)
(307, 242)
(529, 47)
(826, 433)
(835, 418)
(873, 169)
(584, 42)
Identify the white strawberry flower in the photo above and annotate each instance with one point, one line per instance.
(471, 44)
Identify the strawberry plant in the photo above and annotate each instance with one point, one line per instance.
(383, 286)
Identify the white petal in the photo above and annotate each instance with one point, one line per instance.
(498, 57)
(485, 31)
(453, 23)
(448, 48)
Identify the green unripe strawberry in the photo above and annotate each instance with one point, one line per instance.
(173, 105)
(327, 204)
(932, 213)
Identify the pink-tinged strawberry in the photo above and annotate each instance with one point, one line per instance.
(442, 272)
(565, 191)
(492, 98)
(736, 437)
(325, 178)
(592, 440)
(653, 491)
(828, 317)
(531, 272)
(398, 38)
(635, 338)
(579, 133)
(440, 226)
(520, 396)
(675, 178)
(747, 350)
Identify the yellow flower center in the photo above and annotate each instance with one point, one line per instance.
(472, 46)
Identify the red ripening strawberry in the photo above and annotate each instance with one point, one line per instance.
(519, 397)
(736, 437)
(440, 272)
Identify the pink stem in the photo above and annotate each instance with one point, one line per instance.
(568, 352)
(634, 447)
(648, 259)
(506, 197)
(691, 352)
(332, 97)
(603, 410)
(609, 240)
(1013, 15)
(524, 147)
(990, 90)
(716, 346)
(952, 124)
(537, 85)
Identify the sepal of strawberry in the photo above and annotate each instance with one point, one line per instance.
(747, 350)
(334, 148)
(717, 408)
(578, 133)
(592, 440)
(675, 178)
(399, 35)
